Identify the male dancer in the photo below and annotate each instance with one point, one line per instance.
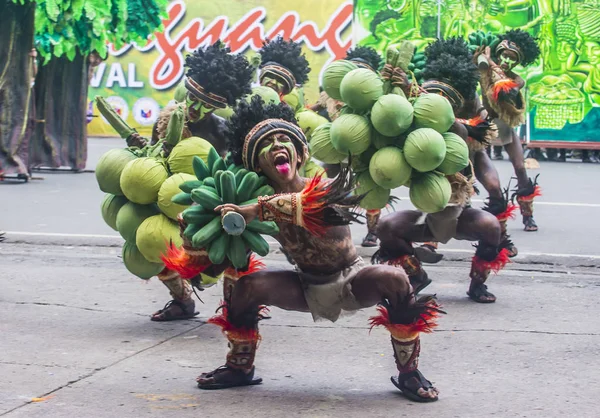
(454, 78)
(450, 72)
(283, 65)
(502, 98)
(214, 78)
(330, 277)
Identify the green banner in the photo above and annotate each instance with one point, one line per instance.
(563, 86)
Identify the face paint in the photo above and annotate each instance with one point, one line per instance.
(197, 110)
(507, 61)
(273, 83)
(284, 167)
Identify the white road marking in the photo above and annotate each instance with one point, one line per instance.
(537, 202)
(274, 243)
(595, 257)
(59, 234)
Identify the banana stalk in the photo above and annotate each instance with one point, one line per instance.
(113, 118)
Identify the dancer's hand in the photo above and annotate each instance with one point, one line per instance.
(249, 212)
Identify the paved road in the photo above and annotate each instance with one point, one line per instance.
(77, 341)
(68, 203)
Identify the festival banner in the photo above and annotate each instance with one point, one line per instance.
(138, 81)
(563, 86)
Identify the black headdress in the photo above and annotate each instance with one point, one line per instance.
(452, 74)
(522, 43)
(364, 56)
(217, 77)
(284, 61)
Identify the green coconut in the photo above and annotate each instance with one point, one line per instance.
(391, 115)
(424, 149)
(295, 99)
(361, 88)
(180, 92)
(376, 197)
(109, 169)
(267, 93)
(433, 111)
(131, 216)
(333, 75)
(389, 169)
(351, 134)
(181, 156)
(136, 263)
(380, 141)
(321, 147)
(430, 192)
(312, 169)
(154, 234)
(141, 180)
(169, 189)
(361, 162)
(457, 154)
(111, 205)
(309, 121)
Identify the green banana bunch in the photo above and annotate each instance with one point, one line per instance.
(217, 184)
(481, 38)
(417, 65)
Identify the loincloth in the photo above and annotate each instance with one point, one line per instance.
(443, 224)
(328, 295)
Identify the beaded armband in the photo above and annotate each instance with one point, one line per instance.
(284, 207)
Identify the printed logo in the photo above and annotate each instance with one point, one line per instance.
(120, 106)
(145, 111)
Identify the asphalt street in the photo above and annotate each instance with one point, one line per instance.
(76, 339)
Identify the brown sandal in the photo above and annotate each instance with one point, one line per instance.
(167, 313)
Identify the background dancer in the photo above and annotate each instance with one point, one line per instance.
(451, 72)
(214, 78)
(503, 100)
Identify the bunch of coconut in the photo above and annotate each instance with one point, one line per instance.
(139, 183)
(394, 141)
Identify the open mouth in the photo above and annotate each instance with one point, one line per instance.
(282, 162)
(193, 113)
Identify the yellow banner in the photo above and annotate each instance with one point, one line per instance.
(138, 81)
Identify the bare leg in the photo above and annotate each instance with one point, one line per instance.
(526, 190)
(396, 233)
(487, 174)
(481, 226)
(515, 153)
(401, 314)
(239, 321)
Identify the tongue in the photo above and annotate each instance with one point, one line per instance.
(283, 168)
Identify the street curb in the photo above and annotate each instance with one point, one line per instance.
(82, 240)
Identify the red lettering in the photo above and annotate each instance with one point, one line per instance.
(248, 32)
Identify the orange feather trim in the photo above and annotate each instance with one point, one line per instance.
(509, 213)
(495, 265)
(254, 264)
(232, 332)
(537, 192)
(503, 86)
(179, 260)
(426, 322)
(312, 201)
